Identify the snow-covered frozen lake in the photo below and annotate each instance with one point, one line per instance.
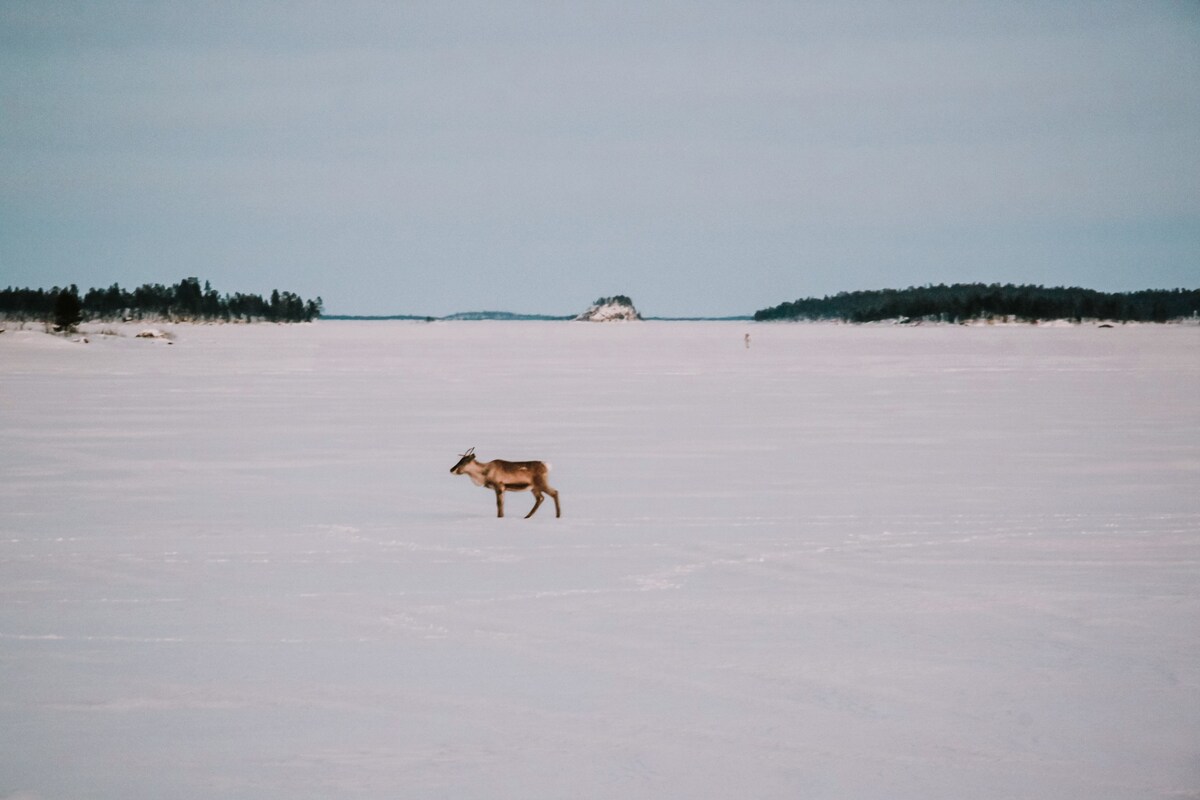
(845, 562)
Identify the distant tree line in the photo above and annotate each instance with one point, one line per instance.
(185, 301)
(977, 301)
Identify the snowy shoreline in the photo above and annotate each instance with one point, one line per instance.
(28, 331)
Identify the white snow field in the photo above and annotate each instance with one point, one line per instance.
(845, 562)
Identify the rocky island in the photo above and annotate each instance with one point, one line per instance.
(611, 309)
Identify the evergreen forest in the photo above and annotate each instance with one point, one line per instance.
(962, 302)
(186, 301)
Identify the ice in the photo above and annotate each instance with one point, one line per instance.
(845, 562)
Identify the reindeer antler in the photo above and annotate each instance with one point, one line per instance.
(469, 452)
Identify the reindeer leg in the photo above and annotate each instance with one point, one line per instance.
(554, 494)
(538, 498)
(499, 502)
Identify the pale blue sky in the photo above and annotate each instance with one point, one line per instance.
(701, 157)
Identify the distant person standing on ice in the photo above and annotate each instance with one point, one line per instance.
(747, 341)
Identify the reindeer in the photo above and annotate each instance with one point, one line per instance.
(503, 476)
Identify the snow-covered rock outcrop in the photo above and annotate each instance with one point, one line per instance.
(610, 309)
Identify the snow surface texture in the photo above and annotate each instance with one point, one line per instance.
(847, 562)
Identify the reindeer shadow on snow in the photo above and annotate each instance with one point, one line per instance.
(508, 476)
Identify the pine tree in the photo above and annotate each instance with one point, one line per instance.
(68, 310)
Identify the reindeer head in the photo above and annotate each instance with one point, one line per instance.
(463, 460)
